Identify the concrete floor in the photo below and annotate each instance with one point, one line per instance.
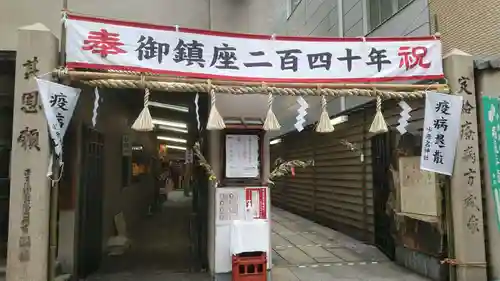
(302, 251)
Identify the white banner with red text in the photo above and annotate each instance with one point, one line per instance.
(110, 44)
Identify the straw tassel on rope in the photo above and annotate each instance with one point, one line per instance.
(144, 123)
(379, 125)
(324, 123)
(271, 123)
(215, 121)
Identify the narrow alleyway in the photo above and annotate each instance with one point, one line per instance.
(306, 251)
(160, 248)
(302, 251)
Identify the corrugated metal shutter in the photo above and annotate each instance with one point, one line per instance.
(338, 190)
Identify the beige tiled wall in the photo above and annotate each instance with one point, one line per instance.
(471, 26)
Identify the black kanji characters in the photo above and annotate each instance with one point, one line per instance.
(224, 57)
(29, 102)
(257, 64)
(467, 107)
(349, 58)
(466, 131)
(471, 175)
(464, 85)
(289, 60)
(443, 107)
(29, 139)
(60, 101)
(320, 60)
(30, 68)
(439, 140)
(189, 52)
(149, 48)
(378, 58)
(438, 157)
(440, 123)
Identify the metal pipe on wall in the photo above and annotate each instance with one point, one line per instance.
(54, 196)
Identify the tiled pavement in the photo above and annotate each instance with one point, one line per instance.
(302, 251)
(306, 251)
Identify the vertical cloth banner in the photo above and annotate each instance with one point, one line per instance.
(441, 132)
(491, 113)
(59, 102)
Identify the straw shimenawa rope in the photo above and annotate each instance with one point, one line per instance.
(241, 90)
(324, 123)
(271, 123)
(122, 79)
(379, 125)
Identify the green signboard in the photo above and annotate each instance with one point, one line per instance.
(491, 113)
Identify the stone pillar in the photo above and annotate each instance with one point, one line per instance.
(27, 257)
(467, 216)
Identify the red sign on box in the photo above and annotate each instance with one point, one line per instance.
(257, 198)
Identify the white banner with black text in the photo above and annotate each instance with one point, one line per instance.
(441, 132)
(111, 44)
(59, 102)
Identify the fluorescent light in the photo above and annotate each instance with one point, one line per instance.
(169, 123)
(176, 147)
(167, 128)
(171, 139)
(275, 141)
(169, 106)
(339, 120)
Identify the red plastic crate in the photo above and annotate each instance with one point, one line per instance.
(250, 267)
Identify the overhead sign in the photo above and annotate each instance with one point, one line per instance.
(491, 108)
(441, 132)
(110, 44)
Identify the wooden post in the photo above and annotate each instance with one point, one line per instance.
(30, 189)
(466, 198)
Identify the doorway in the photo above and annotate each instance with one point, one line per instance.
(381, 149)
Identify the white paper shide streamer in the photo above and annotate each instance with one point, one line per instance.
(379, 125)
(197, 107)
(405, 116)
(96, 106)
(271, 122)
(301, 114)
(59, 102)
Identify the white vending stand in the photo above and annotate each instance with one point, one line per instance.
(244, 203)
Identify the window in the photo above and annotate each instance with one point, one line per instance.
(292, 5)
(381, 10)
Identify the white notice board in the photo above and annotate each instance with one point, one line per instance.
(242, 156)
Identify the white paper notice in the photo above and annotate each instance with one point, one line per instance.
(441, 132)
(242, 156)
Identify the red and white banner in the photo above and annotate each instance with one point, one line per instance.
(109, 44)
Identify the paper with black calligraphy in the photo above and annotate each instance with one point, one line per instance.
(59, 102)
(441, 132)
(242, 156)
